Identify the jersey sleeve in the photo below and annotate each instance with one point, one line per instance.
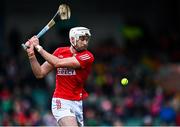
(85, 59)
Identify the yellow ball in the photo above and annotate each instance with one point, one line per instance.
(124, 81)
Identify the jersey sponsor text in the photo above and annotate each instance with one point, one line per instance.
(66, 71)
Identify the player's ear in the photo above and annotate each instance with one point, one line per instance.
(72, 39)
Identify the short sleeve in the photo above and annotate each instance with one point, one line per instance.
(85, 59)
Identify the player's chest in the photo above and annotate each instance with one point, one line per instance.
(66, 71)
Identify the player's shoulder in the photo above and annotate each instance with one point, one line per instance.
(86, 52)
(62, 49)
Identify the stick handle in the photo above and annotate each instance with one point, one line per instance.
(43, 31)
(24, 46)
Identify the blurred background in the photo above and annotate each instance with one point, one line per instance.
(138, 40)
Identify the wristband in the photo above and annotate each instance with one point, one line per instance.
(38, 48)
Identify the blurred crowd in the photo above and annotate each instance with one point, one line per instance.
(24, 100)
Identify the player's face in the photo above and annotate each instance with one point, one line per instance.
(82, 43)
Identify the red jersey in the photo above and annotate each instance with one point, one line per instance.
(70, 82)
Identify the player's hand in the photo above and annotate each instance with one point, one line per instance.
(35, 41)
(27, 44)
(30, 49)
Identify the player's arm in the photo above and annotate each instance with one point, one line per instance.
(71, 62)
(39, 70)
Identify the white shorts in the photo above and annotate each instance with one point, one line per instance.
(62, 107)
